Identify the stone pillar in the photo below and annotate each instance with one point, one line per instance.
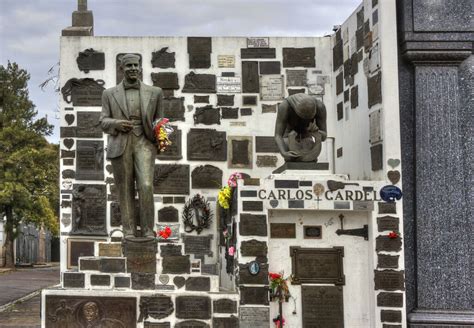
(82, 21)
(435, 78)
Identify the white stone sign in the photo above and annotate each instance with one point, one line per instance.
(226, 61)
(228, 84)
(258, 42)
(271, 87)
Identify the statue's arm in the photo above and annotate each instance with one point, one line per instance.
(108, 124)
(321, 120)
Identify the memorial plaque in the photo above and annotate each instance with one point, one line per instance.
(115, 216)
(247, 53)
(266, 145)
(90, 311)
(100, 280)
(199, 45)
(69, 118)
(299, 57)
(359, 38)
(226, 61)
(295, 91)
(119, 72)
(317, 265)
(338, 55)
(245, 277)
(163, 58)
(312, 232)
(110, 249)
(89, 212)
(193, 307)
(296, 78)
(270, 67)
(266, 161)
(200, 60)
(122, 282)
(271, 87)
(390, 280)
(229, 84)
(199, 83)
(322, 306)
(224, 305)
(207, 115)
(387, 261)
(141, 256)
(157, 325)
(354, 96)
(240, 152)
(375, 127)
(282, 230)
(254, 295)
(83, 92)
(68, 162)
(206, 177)
(225, 322)
(199, 284)
(376, 157)
(250, 78)
(387, 244)
(253, 225)
(229, 113)
(339, 84)
(391, 316)
(191, 324)
(112, 265)
(252, 317)
(179, 281)
(88, 263)
(374, 88)
(390, 299)
(156, 306)
(90, 160)
(173, 151)
(176, 264)
(252, 206)
(170, 250)
(207, 144)
(225, 100)
(340, 111)
(387, 208)
(168, 214)
(197, 245)
(165, 80)
(73, 280)
(68, 174)
(173, 109)
(79, 248)
(388, 223)
(255, 42)
(249, 100)
(90, 60)
(269, 108)
(171, 179)
(142, 281)
(245, 111)
(253, 248)
(201, 99)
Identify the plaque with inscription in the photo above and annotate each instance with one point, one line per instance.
(191, 324)
(171, 179)
(170, 250)
(245, 277)
(100, 280)
(270, 67)
(165, 80)
(253, 225)
(247, 53)
(226, 61)
(374, 88)
(229, 113)
(254, 295)
(337, 55)
(312, 232)
(229, 84)
(142, 281)
(391, 316)
(387, 261)
(73, 280)
(90, 60)
(168, 214)
(89, 210)
(250, 78)
(255, 42)
(83, 92)
(266, 145)
(163, 58)
(157, 325)
(387, 208)
(389, 280)
(252, 317)
(199, 45)
(207, 115)
(199, 83)
(355, 96)
(282, 230)
(207, 144)
(387, 244)
(110, 249)
(207, 177)
(271, 87)
(225, 322)
(375, 119)
(197, 245)
(141, 256)
(266, 161)
(386, 299)
(249, 100)
(199, 284)
(317, 265)
(173, 109)
(322, 306)
(388, 222)
(78, 248)
(225, 100)
(339, 83)
(376, 157)
(225, 305)
(253, 248)
(240, 152)
(119, 72)
(200, 60)
(193, 307)
(90, 160)
(157, 307)
(74, 311)
(296, 77)
(269, 108)
(176, 264)
(173, 151)
(88, 125)
(201, 99)
(299, 57)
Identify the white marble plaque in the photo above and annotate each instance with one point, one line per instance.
(271, 87)
(375, 128)
(315, 89)
(258, 43)
(228, 84)
(226, 61)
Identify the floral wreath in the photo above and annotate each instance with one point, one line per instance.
(197, 206)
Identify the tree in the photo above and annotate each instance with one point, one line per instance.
(29, 165)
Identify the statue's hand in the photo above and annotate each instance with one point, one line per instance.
(123, 126)
(312, 127)
(290, 155)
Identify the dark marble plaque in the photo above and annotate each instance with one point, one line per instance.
(250, 77)
(346, 95)
(69, 311)
(170, 250)
(90, 60)
(88, 125)
(387, 261)
(252, 206)
(142, 281)
(322, 306)
(387, 208)
(191, 324)
(376, 157)
(225, 322)
(119, 73)
(207, 144)
(115, 218)
(198, 245)
(270, 67)
(245, 277)
(254, 295)
(157, 325)
(199, 83)
(296, 78)
(163, 58)
(388, 222)
(391, 316)
(165, 80)
(68, 162)
(387, 244)
(201, 99)
(90, 160)
(176, 264)
(354, 96)
(171, 179)
(225, 100)
(246, 53)
(168, 214)
(246, 111)
(282, 230)
(299, 57)
(173, 151)
(317, 265)
(112, 265)
(83, 92)
(225, 305)
(253, 248)
(199, 284)
(200, 60)
(206, 177)
(269, 108)
(199, 45)
(374, 88)
(68, 174)
(240, 152)
(266, 145)
(339, 83)
(193, 307)
(141, 256)
(229, 113)
(90, 264)
(173, 109)
(73, 280)
(207, 115)
(251, 317)
(253, 225)
(340, 111)
(89, 211)
(386, 299)
(295, 91)
(338, 55)
(100, 280)
(79, 248)
(157, 307)
(312, 232)
(266, 161)
(389, 280)
(122, 282)
(249, 100)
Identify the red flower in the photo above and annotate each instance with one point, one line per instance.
(274, 275)
(393, 235)
(165, 233)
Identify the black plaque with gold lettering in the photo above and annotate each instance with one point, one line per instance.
(322, 306)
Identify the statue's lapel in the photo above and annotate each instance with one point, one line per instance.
(119, 95)
(145, 99)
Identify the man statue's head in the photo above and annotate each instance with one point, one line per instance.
(130, 65)
(306, 108)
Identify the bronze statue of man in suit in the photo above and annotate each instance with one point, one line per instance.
(128, 112)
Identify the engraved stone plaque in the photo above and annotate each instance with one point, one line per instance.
(119, 72)
(374, 88)
(88, 263)
(170, 250)
(337, 55)
(173, 109)
(191, 324)
(90, 60)
(322, 306)
(254, 295)
(141, 256)
(165, 80)
(229, 113)
(270, 67)
(339, 84)
(257, 53)
(207, 115)
(225, 305)
(296, 77)
(199, 83)
(387, 261)
(266, 161)
(258, 42)
(88, 125)
(387, 208)
(173, 151)
(142, 281)
(197, 245)
(266, 145)
(312, 232)
(253, 225)
(157, 307)
(79, 248)
(89, 210)
(171, 179)
(83, 92)
(389, 280)
(176, 264)
(225, 100)
(387, 244)
(251, 317)
(391, 316)
(250, 78)
(375, 127)
(317, 265)
(207, 144)
(207, 177)
(376, 157)
(202, 60)
(225, 322)
(245, 277)
(193, 307)
(163, 58)
(282, 230)
(201, 99)
(100, 280)
(73, 280)
(168, 214)
(70, 311)
(229, 84)
(122, 282)
(240, 152)
(199, 45)
(252, 206)
(90, 160)
(226, 61)
(112, 265)
(386, 299)
(249, 100)
(110, 249)
(199, 284)
(388, 222)
(271, 87)
(253, 248)
(299, 57)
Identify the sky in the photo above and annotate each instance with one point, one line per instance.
(30, 29)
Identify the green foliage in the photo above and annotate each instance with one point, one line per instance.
(28, 163)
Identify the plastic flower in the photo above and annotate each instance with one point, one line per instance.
(165, 233)
(232, 181)
(162, 132)
(274, 275)
(393, 235)
(231, 251)
(224, 197)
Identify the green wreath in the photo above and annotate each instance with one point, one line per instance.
(197, 207)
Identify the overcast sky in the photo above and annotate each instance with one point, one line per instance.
(30, 29)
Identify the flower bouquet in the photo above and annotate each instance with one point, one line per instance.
(162, 130)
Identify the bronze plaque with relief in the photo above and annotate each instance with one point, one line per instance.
(141, 256)
(322, 306)
(282, 230)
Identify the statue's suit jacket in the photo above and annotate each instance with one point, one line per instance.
(114, 107)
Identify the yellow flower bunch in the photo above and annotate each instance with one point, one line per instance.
(163, 139)
(224, 197)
